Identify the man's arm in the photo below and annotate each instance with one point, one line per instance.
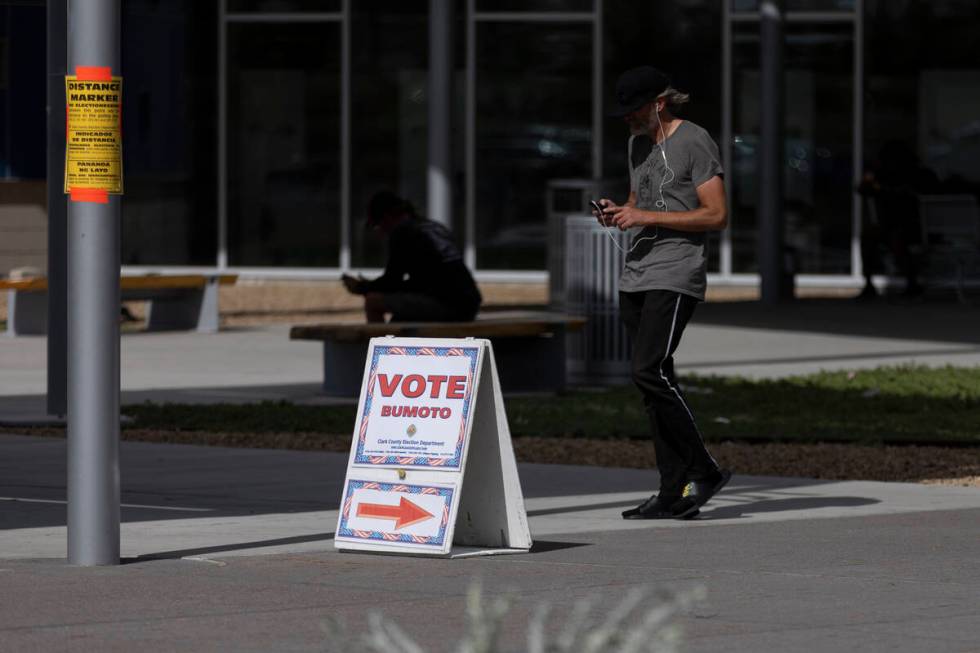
(354, 285)
(389, 281)
(401, 244)
(711, 214)
(392, 279)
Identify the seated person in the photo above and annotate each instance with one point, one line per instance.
(425, 279)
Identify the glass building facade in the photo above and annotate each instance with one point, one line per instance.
(256, 130)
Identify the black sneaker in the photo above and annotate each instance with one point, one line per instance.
(655, 508)
(697, 493)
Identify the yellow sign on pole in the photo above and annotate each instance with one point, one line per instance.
(93, 152)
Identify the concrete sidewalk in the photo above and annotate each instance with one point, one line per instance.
(261, 363)
(232, 550)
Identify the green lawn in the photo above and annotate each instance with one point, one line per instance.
(890, 404)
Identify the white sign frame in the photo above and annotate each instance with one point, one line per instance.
(484, 516)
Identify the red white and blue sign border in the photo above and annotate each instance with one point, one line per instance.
(438, 540)
(455, 462)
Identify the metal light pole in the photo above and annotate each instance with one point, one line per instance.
(93, 318)
(440, 195)
(771, 262)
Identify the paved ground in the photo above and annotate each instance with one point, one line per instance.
(232, 550)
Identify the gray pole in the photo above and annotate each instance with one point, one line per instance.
(93, 318)
(440, 195)
(771, 153)
(57, 210)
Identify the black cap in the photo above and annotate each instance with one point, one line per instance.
(636, 87)
(386, 203)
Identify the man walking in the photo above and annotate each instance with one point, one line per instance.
(677, 196)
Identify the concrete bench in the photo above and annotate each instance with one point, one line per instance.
(177, 302)
(529, 347)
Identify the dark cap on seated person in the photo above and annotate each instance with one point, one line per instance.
(636, 87)
(386, 203)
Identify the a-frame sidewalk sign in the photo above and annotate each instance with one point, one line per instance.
(432, 468)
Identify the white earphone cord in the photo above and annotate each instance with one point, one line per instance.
(662, 202)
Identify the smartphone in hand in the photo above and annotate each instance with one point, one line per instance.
(597, 210)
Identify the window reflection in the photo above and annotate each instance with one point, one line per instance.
(283, 6)
(22, 91)
(817, 150)
(284, 144)
(926, 93)
(388, 112)
(23, 192)
(798, 5)
(533, 124)
(169, 66)
(534, 5)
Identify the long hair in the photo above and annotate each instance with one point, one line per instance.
(674, 98)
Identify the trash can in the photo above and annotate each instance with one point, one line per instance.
(570, 197)
(599, 354)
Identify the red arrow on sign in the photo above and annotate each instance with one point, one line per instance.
(405, 513)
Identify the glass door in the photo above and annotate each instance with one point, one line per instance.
(283, 130)
(531, 117)
(821, 142)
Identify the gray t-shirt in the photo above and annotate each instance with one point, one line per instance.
(671, 260)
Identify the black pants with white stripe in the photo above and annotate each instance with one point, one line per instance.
(655, 320)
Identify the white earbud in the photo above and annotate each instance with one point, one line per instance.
(669, 177)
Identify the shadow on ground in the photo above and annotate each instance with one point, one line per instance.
(167, 482)
(749, 507)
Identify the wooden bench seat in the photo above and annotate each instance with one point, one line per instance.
(529, 347)
(177, 301)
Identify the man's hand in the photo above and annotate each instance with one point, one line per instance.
(354, 285)
(609, 209)
(625, 217)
